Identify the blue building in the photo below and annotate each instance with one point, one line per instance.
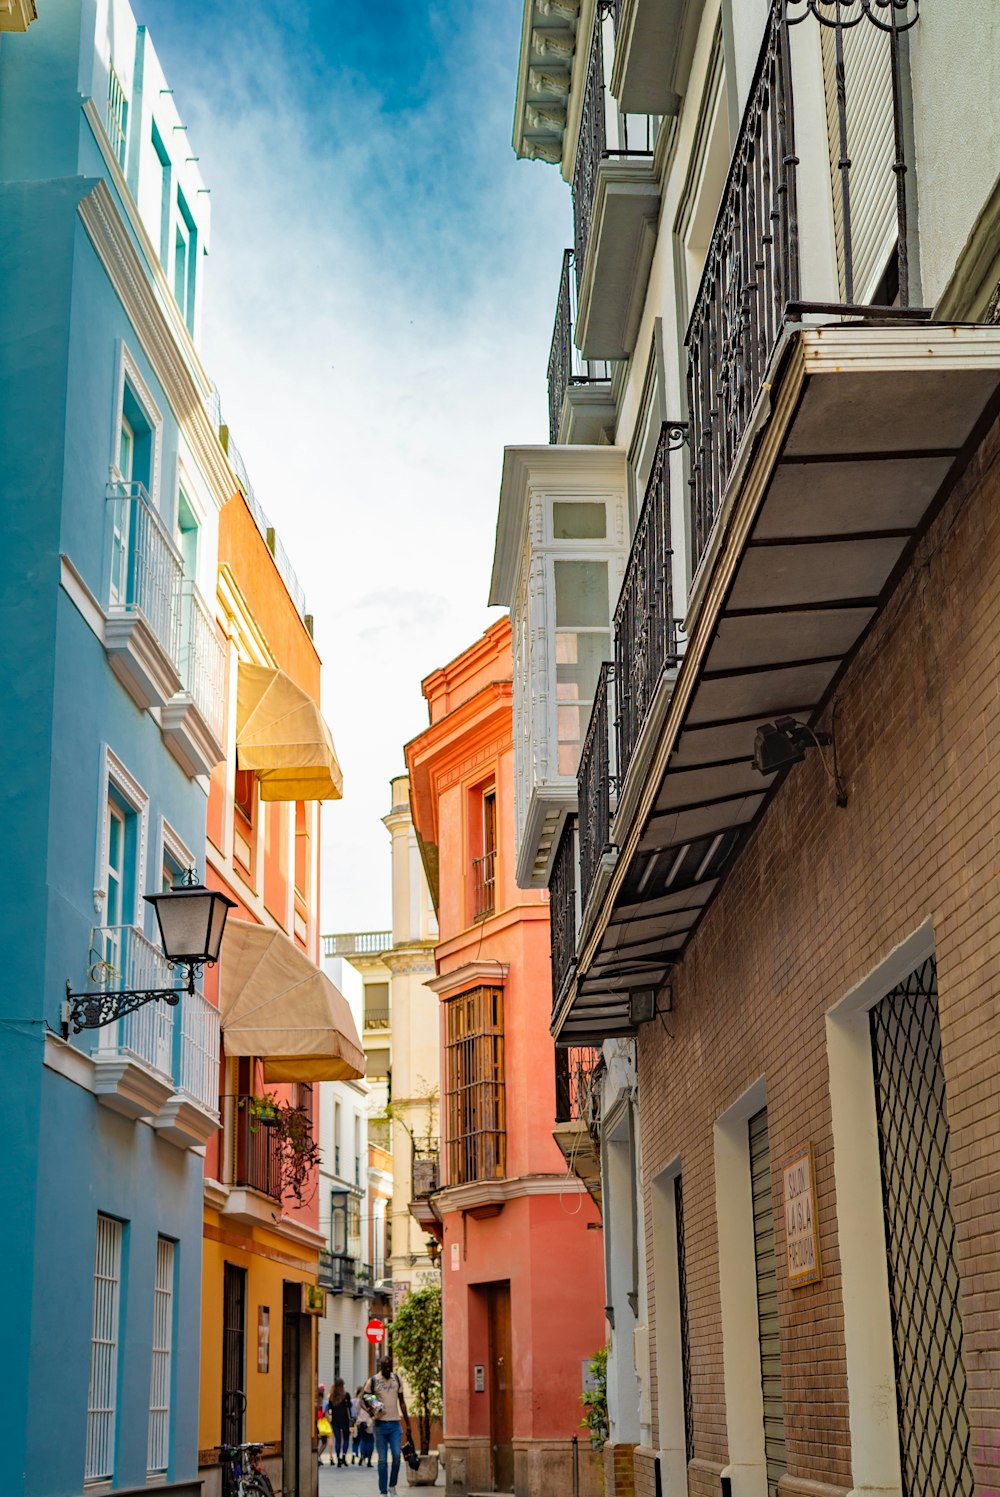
(111, 480)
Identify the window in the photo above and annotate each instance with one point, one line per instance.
(186, 534)
(163, 159)
(484, 866)
(117, 117)
(376, 1005)
(475, 1086)
(377, 1065)
(336, 1138)
(583, 642)
(102, 1400)
(301, 851)
(185, 261)
(244, 815)
(357, 1150)
(163, 1327)
(119, 877)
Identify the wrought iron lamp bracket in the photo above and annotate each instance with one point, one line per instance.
(95, 1010)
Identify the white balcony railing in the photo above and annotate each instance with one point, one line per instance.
(146, 568)
(198, 1067)
(128, 960)
(202, 659)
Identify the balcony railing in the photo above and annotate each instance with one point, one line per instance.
(342, 1273)
(146, 569)
(645, 628)
(426, 1170)
(562, 911)
(358, 943)
(202, 658)
(566, 367)
(575, 1066)
(198, 1064)
(376, 1017)
(752, 275)
(484, 886)
(258, 1159)
(596, 781)
(127, 960)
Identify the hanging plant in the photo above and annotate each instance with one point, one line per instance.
(300, 1153)
(264, 1111)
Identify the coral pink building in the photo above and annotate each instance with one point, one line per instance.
(522, 1265)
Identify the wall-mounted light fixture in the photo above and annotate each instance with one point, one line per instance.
(191, 920)
(781, 744)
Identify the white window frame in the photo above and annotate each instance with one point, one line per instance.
(115, 778)
(669, 1333)
(126, 368)
(99, 1460)
(161, 1368)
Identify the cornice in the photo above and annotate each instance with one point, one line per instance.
(129, 277)
(237, 610)
(491, 1192)
(470, 975)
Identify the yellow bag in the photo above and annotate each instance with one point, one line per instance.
(324, 1428)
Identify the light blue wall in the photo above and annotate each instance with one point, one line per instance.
(66, 1157)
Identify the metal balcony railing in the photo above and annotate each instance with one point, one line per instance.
(752, 275)
(484, 886)
(258, 1160)
(562, 911)
(125, 959)
(426, 1169)
(339, 1272)
(597, 781)
(645, 628)
(202, 658)
(198, 1062)
(146, 569)
(566, 367)
(575, 1065)
(358, 943)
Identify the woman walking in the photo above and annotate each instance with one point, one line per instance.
(338, 1409)
(323, 1427)
(364, 1431)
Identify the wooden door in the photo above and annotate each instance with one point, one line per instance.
(501, 1387)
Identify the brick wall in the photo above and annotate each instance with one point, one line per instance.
(618, 1470)
(816, 899)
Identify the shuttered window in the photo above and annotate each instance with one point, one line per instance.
(102, 1400)
(163, 1336)
(870, 149)
(767, 1302)
(474, 1098)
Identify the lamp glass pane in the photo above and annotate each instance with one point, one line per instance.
(184, 918)
(220, 910)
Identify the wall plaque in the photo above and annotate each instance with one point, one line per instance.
(801, 1225)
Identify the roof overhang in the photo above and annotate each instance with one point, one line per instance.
(866, 431)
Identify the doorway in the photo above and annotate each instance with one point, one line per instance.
(234, 1353)
(299, 1470)
(501, 1385)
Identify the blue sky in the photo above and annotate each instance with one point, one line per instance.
(378, 310)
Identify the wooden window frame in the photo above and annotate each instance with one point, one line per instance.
(475, 1101)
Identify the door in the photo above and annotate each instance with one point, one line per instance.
(767, 1302)
(501, 1386)
(299, 1469)
(234, 1352)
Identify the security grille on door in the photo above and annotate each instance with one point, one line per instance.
(158, 1457)
(920, 1238)
(685, 1336)
(767, 1302)
(234, 1340)
(102, 1398)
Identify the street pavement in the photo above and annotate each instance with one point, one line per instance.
(358, 1481)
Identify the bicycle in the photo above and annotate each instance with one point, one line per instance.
(242, 1473)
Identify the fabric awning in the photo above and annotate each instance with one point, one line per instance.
(282, 735)
(277, 1005)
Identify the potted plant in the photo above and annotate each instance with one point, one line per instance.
(264, 1110)
(416, 1345)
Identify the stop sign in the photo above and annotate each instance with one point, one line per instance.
(375, 1331)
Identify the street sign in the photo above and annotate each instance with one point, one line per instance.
(375, 1331)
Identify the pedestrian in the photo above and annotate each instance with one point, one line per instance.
(364, 1430)
(386, 1392)
(324, 1428)
(338, 1410)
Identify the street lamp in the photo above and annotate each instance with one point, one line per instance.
(191, 920)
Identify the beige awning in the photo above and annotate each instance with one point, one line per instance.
(277, 1005)
(282, 735)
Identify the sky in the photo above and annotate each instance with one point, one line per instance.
(378, 310)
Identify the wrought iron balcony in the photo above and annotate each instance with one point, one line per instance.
(566, 366)
(125, 959)
(198, 1062)
(426, 1174)
(146, 570)
(202, 658)
(596, 781)
(258, 1154)
(339, 1272)
(752, 279)
(575, 1065)
(645, 628)
(562, 911)
(484, 886)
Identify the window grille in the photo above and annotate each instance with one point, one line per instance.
(117, 117)
(685, 1336)
(920, 1238)
(234, 1347)
(475, 1086)
(163, 1327)
(102, 1399)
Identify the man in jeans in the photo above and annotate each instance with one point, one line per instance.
(388, 1389)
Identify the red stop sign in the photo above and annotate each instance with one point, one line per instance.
(375, 1331)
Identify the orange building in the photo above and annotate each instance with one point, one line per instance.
(522, 1268)
(284, 1025)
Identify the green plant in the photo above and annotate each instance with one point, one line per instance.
(416, 1344)
(595, 1400)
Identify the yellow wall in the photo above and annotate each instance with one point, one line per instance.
(269, 1259)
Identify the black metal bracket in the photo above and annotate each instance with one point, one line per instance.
(95, 1010)
(676, 434)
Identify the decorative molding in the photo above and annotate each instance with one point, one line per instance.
(129, 1087)
(215, 1193)
(81, 597)
(126, 368)
(470, 975)
(188, 736)
(120, 259)
(69, 1062)
(174, 846)
(185, 1123)
(140, 662)
(113, 773)
(492, 1192)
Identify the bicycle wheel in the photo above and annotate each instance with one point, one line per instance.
(257, 1485)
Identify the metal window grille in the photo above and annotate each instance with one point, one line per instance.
(685, 1336)
(475, 1086)
(767, 1302)
(920, 1238)
(234, 1345)
(117, 116)
(102, 1399)
(574, 1068)
(163, 1326)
